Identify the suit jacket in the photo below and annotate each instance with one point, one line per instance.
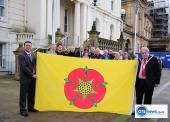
(98, 56)
(27, 67)
(71, 54)
(91, 55)
(59, 53)
(111, 56)
(79, 55)
(152, 71)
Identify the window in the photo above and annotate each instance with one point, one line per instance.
(2, 11)
(0, 55)
(112, 5)
(66, 21)
(2, 7)
(111, 31)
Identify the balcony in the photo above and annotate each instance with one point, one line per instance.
(22, 37)
(109, 44)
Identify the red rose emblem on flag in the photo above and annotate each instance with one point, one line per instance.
(84, 88)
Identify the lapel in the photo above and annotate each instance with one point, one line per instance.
(149, 58)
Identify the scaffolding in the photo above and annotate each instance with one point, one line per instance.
(159, 11)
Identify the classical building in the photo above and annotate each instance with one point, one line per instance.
(144, 24)
(22, 20)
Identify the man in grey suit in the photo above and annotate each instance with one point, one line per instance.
(27, 80)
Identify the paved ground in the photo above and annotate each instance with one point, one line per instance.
(9, 90)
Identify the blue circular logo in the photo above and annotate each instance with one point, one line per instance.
(141, 111)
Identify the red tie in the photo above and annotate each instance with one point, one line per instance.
(143, 68)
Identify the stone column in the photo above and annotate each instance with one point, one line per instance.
(56, 18)
(83, 23)
(58, 13)
(18, 51)
(77, 24)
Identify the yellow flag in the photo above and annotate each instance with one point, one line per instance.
(84, 85)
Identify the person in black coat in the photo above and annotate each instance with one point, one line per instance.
(97, 54)
(72, 52)
(111, 54)
(81, 52)
(27, 64)
(148, 77)
(92, 52)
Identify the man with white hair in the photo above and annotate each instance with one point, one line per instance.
(80, 53)
(148, 77)
(72, 52)
(117, 56)
(106, 55)
(97, 54)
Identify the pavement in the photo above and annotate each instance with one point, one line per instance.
(9, 110)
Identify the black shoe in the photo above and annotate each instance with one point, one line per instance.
(133, 114)
(33, 110)
(24, 113)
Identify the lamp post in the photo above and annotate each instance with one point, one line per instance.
(122, 18)
(93, 33)
(95, 12)
(121, 39)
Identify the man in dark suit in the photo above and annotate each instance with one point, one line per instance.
(27, 79)
(72, 52)
(97, 54)
(80, 53)
(92, 52)
(148, 77)
(111, 54)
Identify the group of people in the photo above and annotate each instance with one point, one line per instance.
(148, 75)
(93, 53)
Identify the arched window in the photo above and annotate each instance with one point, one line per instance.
(127, 45)
(111, 31)
(112, 5)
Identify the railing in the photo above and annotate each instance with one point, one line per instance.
(109, 44)
(25, 36)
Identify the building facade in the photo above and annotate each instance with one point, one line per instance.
(144, 24)
(22, 20)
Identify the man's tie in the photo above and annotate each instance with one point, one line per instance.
(81, 54)
(143, 68)
(30, 57)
